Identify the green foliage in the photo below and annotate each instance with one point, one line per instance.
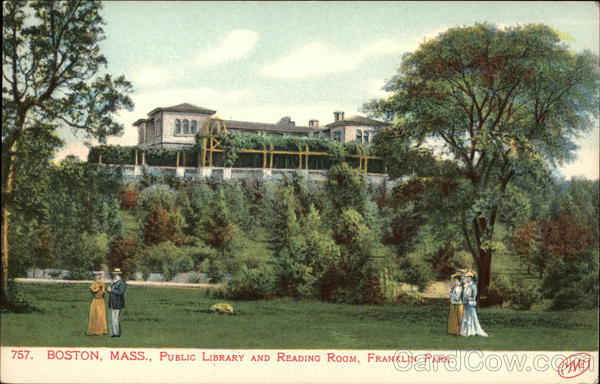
(64, 82)
(353, 278)
(167, 258)
(347, 188)
(194, 202)
(116, 154)
(409, 297)
(293, 270)
(414, 271)
(252, 284)
(217, 228)
(213, 272)
(572, 285)
(154, 197)
(231, 156)
(501, 102)
(523, 297)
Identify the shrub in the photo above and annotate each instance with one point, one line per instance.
(414, 271)
(252, 284)
(347, 188)
(522, 297)
(166, 258)
(129, 197)
(161, 225)
(124, 253)
(179, 263)
(572, 285)
(409, 297)
(154, 197)
(519, 294)
(498, 292)
(213, 272)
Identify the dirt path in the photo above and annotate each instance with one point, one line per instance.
(436, 290)
(129, 282)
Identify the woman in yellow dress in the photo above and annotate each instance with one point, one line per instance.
(97, 320)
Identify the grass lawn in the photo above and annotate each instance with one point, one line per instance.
(178, 317)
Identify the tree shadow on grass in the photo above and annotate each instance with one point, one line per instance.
(18, 306)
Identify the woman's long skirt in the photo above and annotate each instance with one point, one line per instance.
(470, 323)
(97, 320)
(455, 315)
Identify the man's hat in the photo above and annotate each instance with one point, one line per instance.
(97, 272)
(456, 275)
(117, 271)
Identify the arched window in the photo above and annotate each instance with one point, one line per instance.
(186, 126)
(194, 126)
(366, 137)
(177, 126)
(358, 136)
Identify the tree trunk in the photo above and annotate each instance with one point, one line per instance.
(6, 204)
(484, 263)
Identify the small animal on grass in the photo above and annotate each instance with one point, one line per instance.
(222, 308)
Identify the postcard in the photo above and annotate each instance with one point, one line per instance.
(300, 192)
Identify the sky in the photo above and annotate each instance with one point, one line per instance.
(260, 61)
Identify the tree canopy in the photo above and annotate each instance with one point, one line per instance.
(502, 104)
(53, 74)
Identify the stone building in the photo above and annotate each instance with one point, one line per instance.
(177, 126)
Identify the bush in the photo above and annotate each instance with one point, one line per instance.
(124, 253)
(518, 294)
(154, 197)
(129, 197)
(522, 297)
(252, 284)
(166, 258)
(410, 298)
(213, 272)
(498, 292)
(161, 225)
(572, 285)
(415, 272)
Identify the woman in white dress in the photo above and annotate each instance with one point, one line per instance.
(470, 323)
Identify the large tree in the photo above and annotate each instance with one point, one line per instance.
(53, 73)
(501, 104)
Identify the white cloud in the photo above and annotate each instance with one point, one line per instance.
(311, 59)
(235, 45)
(151, 76)
(586, 165)
(318, 59)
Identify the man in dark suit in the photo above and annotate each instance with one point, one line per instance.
(116, 301)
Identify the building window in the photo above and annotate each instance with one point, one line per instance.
(337, 136)
(358, 136)
(366, 137)
(177, 126)
(194, 126)
(186, 126)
